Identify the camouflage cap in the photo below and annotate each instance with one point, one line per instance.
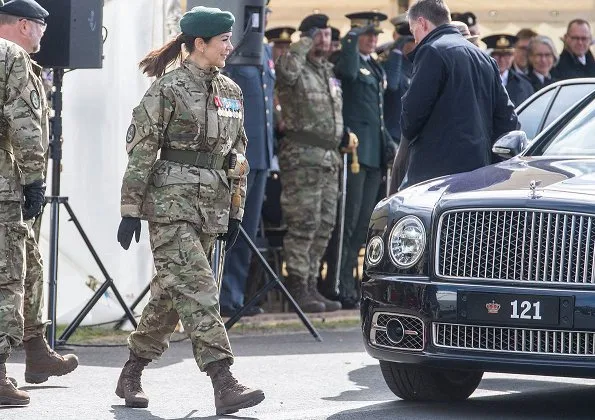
(206, 22)
(29, 9)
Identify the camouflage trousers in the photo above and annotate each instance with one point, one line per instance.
(32, 307)
(12, 275)
(309, 204)
(183, 289)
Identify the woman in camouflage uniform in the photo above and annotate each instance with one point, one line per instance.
(194, 192)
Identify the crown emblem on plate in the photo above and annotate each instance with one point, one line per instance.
(493, 307)
(285, 35)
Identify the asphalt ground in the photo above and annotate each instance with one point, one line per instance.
(302, 379)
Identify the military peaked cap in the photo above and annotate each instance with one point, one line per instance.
(280, 34)
(500, 42)
(29, 9)
(314, 21)
(206, 22)
(363, 19)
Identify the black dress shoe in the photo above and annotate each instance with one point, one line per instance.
(253, 310)
(350, 303)
(227, 311)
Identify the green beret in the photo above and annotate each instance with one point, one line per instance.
(206, 22)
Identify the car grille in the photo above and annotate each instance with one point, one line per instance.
(517, 245)
(513, 340)
(413, 327)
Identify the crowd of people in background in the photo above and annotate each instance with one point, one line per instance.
(369, 82)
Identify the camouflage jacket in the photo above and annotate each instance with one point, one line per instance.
(311, 100)
(182, 110)
(22, 147)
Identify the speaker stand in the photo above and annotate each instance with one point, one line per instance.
(55, 200)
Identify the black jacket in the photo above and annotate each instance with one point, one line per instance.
(518, 87)
(455, 108)
(538, 84)
(570, 68)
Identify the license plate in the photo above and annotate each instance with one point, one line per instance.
(515, 309)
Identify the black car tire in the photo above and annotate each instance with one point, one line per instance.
(419, 383)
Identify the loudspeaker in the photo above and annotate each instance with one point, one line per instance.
(73, 38)
(248, 29)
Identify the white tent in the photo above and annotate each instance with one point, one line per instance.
(96, 113)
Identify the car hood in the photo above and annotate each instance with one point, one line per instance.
(509, 183)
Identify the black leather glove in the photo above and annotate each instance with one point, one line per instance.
(233, 230)
(390, 151)
(34, 198)
(128, 227)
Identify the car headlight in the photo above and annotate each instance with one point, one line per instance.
(407, 241)
(374, 251)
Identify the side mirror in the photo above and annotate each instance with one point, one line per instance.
(510, 144)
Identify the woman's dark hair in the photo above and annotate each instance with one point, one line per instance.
(157, 61)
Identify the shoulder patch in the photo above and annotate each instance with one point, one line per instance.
(35, 99)
(130, 133)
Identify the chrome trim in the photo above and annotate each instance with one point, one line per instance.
(514, 340)
(367, 257)
(390, 247)
(411, 334)
(550, 253)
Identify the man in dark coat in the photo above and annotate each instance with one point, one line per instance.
(501, 48)
(576, 60)
(456, 106)
(257, 85)
(363, 82)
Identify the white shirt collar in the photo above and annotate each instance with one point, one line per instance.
(365, 57)
(504, 78)
(540, 76)
(582, 60)
(520, 70)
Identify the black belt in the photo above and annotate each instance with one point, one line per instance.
(189, 157)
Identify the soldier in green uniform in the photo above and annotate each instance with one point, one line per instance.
(194, 192)
(363, 83)
(23, 22)
(22, 190)
(309, 158)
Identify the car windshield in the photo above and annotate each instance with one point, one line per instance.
(577, 138)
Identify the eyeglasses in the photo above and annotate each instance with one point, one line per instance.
(580, 38)
(546, 55)
(38, 21)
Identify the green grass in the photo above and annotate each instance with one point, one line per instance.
(107, 335)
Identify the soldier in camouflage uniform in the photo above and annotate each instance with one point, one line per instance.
(23, 22)
(194, 192)
(309, 159)
(22, 190)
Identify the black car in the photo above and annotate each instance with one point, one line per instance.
(489, 270)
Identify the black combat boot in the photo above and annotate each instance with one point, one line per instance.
(129, 386)
(300, 292)
(329, 305)
(9, 395)
(230, 396)
(41, 361)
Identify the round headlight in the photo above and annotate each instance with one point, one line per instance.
(374, 250)
(407, 242)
